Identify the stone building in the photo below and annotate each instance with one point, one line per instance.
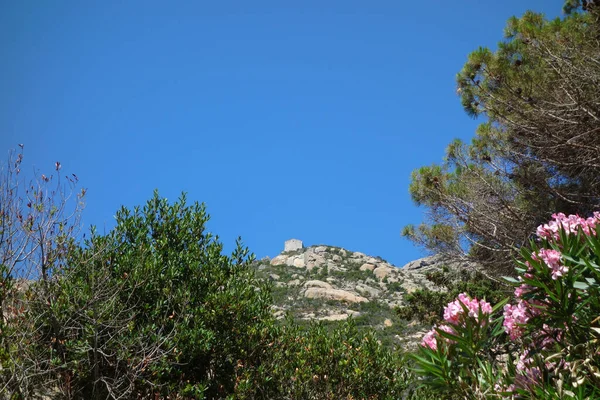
(293, 245)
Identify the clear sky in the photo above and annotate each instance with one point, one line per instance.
(289, 119)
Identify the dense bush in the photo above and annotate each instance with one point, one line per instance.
(426, 305)
(545, 342)
(320, 363)
(154, 309)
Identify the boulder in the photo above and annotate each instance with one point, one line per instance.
(296, 261)
(370, 291)
(279, 314)
(274, 277)
(279, 260)
(334, 267)
(372, 260)
(320, 249)
(314, 260)
(317, 284)
(367, 267)
(333, 294)
(382, 272)
(299, 262)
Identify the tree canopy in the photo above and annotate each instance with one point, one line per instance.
(538, 150)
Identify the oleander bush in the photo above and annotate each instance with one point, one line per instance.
(543, 342)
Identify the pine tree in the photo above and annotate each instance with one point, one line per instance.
(536, 153)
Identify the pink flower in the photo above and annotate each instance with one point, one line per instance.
(552, 259)
(429, 340)
(447, 329)
(570, 224)
(514, 319)
(454, 310)
(528, 373)
(548, 336)
(521, 290)
(485, 307)
(524, 361)
(508, 390)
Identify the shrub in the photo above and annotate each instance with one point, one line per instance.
(321, 363)
(426, 305)
(154, 307)
(544, 344)
(39, 219)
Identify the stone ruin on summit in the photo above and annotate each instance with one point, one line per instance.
(293, 245)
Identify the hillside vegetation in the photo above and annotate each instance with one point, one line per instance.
(332, 284)
(156, 309)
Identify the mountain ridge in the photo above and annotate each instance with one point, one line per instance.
(329, 283)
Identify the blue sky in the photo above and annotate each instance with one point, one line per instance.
(288, 119)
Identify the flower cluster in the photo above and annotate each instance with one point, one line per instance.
(454, 314)
(521, 290)
(430, 338)
(454, 311)
(518, 317)
(530, 369)
(552, 259)
(552, 324)
(515, 318)
(570, 224)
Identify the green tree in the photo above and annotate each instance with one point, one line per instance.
(154, 308)
(536, 152)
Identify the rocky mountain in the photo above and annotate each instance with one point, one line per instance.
(329, 284)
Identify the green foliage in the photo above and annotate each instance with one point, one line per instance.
(571, 6)
(426, 306)
(536, 151)
(465, 363)
(155, 307)
(551, 350)
(320, 363)
(353, 275)
(394, 286)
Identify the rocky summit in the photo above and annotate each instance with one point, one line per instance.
(329, 283)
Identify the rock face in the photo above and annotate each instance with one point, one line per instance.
(329, 283)
(333, 294)
(367, 267)
(317, 284)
